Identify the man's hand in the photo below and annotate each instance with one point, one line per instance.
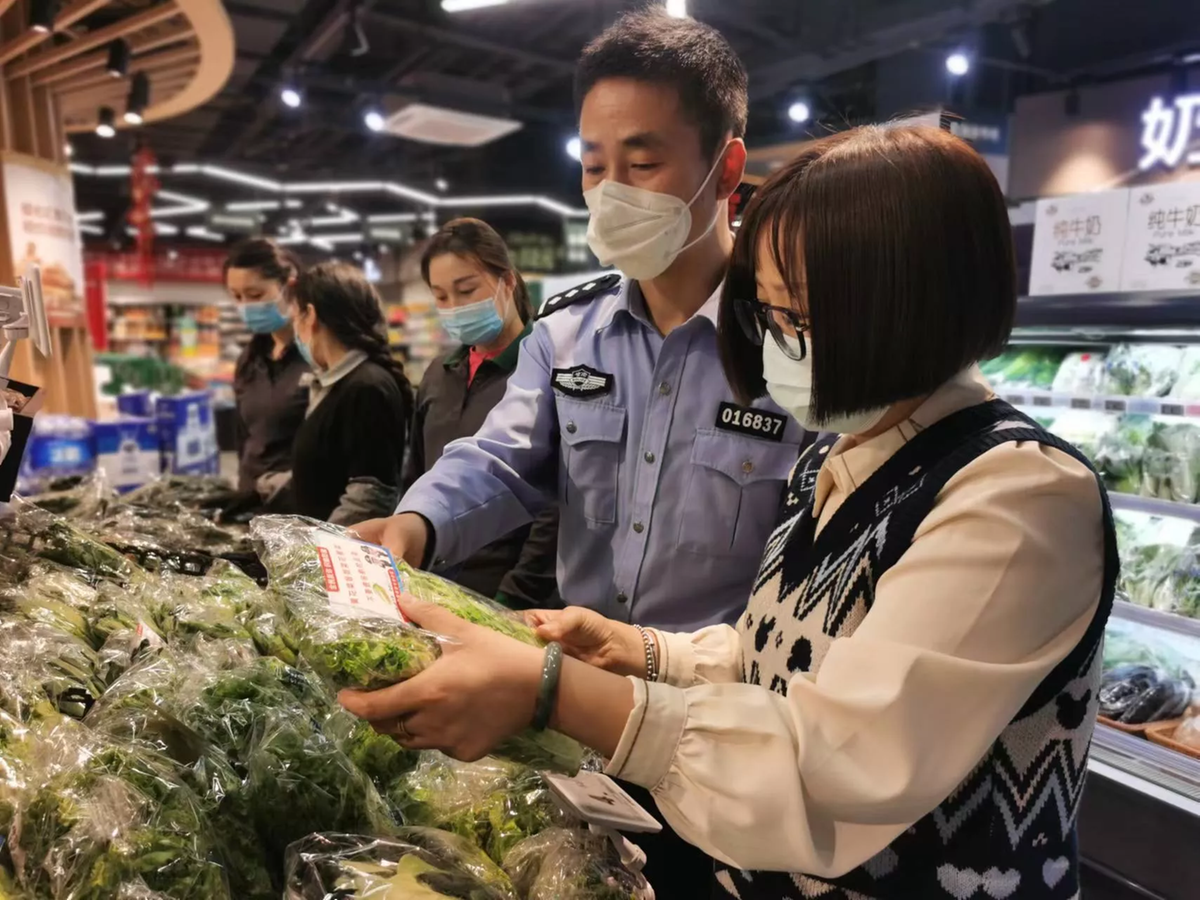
(405, 535)
(593, 639)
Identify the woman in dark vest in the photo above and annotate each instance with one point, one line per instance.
(905, 709)
(484, 307)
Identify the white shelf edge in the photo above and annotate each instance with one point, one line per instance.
(1143, 786)
(1150, 406)
(1156, 618)
(1155, 507)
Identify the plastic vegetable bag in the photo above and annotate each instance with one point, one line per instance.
(1142, 370)
(35, 531)
(342, 595)
(1028, 368)
(104, 817)
(492, 803)
(1080, 373)
(562, 864)
(1171, 463)
(1120, 454)
(416, 864)
(1135, 694)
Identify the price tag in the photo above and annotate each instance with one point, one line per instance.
(1043, 400)
(1113, 404)
(1173, 409)
(361, 580)
(1081, 403)
(599, 801)
(1017, 399)
(1143, 406)
(144, 638)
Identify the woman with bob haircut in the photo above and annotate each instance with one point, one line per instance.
(906, 706)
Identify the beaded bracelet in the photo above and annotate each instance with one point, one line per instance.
(548, 689)
(651, 654)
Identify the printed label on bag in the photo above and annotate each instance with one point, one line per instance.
(599, 801)
(361, 579)
(145, 638)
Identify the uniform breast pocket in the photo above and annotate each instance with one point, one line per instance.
(733, 492)
(591, 435)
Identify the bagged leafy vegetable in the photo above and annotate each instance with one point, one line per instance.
(1080, 373)
(1029, 368)
(343, 596)
(1135, 694)
(492, 803)
(566, 864)
(38, 532)
(416, 864)
(1142, 370)
(1171, 463)
(104, 816)
(1120, 453)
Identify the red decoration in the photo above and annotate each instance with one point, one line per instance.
(142, 187)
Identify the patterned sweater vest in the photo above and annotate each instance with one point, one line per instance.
(1008, 830)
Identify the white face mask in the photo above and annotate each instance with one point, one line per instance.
(789, 382)
(641, 232)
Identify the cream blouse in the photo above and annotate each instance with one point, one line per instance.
(1000, 583)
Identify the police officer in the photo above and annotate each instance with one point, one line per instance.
(619, 407)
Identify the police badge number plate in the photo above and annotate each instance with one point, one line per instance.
(582, 381)
(759, 423)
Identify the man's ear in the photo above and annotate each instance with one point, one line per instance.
(733, 167)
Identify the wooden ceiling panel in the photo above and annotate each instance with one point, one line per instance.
(93, 39)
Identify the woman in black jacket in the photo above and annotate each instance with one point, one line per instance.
(350, 449)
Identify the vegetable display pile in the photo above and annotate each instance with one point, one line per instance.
(166, 736)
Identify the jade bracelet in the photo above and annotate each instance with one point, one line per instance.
(548, 689)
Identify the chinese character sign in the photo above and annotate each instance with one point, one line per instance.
(1167, 130)
(1078, 242)
(1162, 244)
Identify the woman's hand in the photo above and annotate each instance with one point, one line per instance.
(481, 690)
(593, 639)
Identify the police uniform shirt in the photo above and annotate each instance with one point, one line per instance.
(667, 488)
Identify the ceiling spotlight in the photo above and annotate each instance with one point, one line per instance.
(799, 112)
(42, 14)
(118, 58)
(374, 120)
(453, 6)
(68, 150)
(442, 185)
(139, 98)
(291, 96)
(575, 149)
(958, 64)
(677, 9)
(105, 124)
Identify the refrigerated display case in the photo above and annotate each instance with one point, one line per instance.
(1116, 375)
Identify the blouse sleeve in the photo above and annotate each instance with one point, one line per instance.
(1000, 583)
(709, 656)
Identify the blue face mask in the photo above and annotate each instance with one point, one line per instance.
(263, 317)
(305, 353)
(477, 323)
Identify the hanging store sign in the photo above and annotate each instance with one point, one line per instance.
(1162, 243)
(1167, 130)
(1078, 243)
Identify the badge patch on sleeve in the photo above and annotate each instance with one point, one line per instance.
(582, 381)
(759, 423)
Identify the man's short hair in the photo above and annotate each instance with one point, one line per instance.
(687, 55)
(894, 242)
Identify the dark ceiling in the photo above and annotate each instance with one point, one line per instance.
(517, 60)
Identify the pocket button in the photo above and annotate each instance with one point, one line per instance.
(571, 429)
(638, 527)
(621, 598)
(748, 466)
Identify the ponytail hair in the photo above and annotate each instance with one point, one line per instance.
(349, 306)
(477, 240)
(267, 258)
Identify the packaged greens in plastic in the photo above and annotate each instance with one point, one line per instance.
(342, 594)
(570, 864)
(1120, 454)
(38, 532)
(1142, 370)
(1171, 462)
(1033, 367)
(416, 864)
(492, 803)
(104, 816)
(1080, 373)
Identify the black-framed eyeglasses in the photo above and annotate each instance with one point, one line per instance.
(757, 319)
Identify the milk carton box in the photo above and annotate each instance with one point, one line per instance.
(58, 447)
(136, 403)
(187, 433)
(128, 451)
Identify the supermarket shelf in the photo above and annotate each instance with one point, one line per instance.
(1149, 406)
(1155, 507)
(1156, 618)
(1133, 309)
(1148, 768)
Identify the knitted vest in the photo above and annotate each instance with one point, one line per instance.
(1008, 830)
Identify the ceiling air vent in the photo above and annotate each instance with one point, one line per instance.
(448, 127)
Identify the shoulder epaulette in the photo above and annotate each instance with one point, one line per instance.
(603, 285)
